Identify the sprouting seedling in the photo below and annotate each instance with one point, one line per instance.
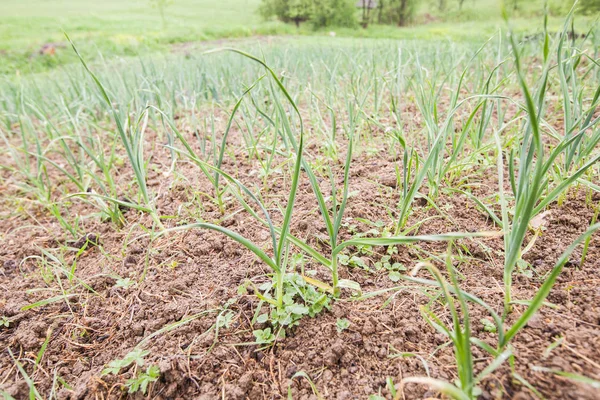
(587, 241)
(459, 332)
(330, 262)
(435, 161)
(263, 336)
(132, 138)
(125, 283)
(77, 168)
(143, 379)
(488, 326)
(135, 356)
(302, 374)
(430, 166)
(212, 176)
(333, 220)
(538, 300)
(529, 183)
(279, 236)
(333, 216)
(342, 324)
(33, 392)
(398, 240)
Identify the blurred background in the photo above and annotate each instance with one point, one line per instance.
(32, 40)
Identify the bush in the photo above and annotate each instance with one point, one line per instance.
(334, 13)
(296, 11)
(398, 12)
(589, 7)
(320, 13)
(585, 7)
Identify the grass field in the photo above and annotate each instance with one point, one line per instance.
(117, 27)
(130, 28)
(411, 214)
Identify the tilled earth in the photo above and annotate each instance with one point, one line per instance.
(197, 273)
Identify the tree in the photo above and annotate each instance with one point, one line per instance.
(589, 7)
(334, 13)
(161, 5)
(399, 12)
(320, 13)
(380, 11)
(299, 10)
(296, 11)
(367, 5)
(406, 11)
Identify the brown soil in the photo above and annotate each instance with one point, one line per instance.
(199, 271)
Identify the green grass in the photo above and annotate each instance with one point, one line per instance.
(130, 28)
(115, 27)
(36, 21)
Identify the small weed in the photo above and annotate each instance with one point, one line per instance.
(353, 261)
(143, 379)
(342, 324)
(125, 283)
(224, 319)
(264, 336)
(299, 299)
(136, 356)
(394, 268)
(524, 268)
(488, 326)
